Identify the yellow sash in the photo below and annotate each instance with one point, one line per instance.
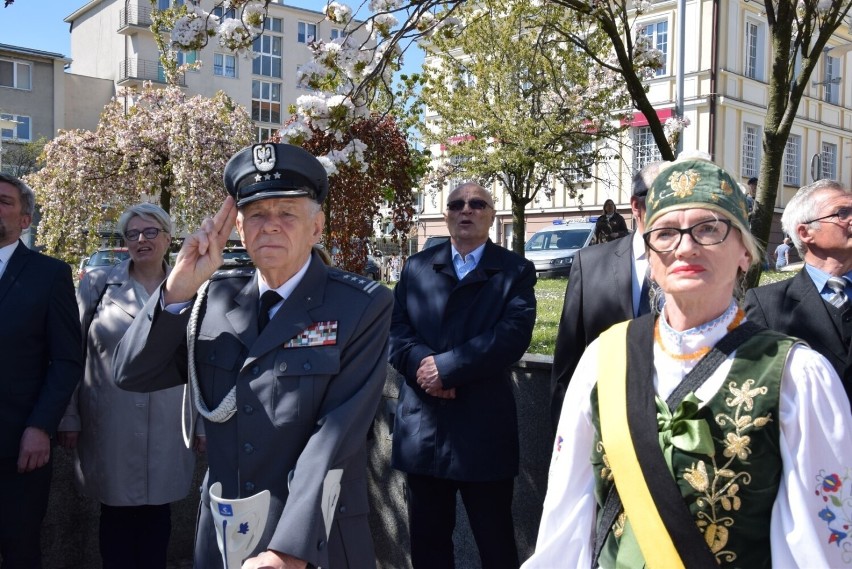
(657, 547)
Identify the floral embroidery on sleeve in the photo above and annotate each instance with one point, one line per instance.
(836, 493)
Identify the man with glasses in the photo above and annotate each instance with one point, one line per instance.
(463, 314)
(814, 304)
(41, 350)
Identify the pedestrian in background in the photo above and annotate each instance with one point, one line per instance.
(782, 254)
(610, 225)
(129, 450)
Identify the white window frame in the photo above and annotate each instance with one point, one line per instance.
(275, 25)
(264, 133)
(828, 161)
(755, 35)
(751, 150)
(831, 71)
(17, 70)
(257, 95)
(221, 67)
(793, 160)
(303, 32)
(645, 149)
(223, 14)
(660, 40)
(21, 133)
(337, 33)
(268, 47)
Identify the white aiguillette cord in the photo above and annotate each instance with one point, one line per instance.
(228, 406)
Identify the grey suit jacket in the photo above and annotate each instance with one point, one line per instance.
(599, 294)
(302, 410)
(795, 307)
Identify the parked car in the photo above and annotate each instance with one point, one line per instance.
(552, 249)
(102, 258)
(233, 257)
(373, 268)
(435, 240)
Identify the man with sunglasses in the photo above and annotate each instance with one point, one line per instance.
(814, 304)
(463, 314)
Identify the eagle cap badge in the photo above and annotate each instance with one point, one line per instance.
(264, 157)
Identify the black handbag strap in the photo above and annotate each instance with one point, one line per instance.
(693, 380)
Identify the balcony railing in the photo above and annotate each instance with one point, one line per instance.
(133, 71)
(134, 17)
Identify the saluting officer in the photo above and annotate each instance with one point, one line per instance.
(305, 368)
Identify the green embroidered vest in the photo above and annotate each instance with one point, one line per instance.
(730, 491)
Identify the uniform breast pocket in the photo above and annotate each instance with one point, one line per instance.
(302, 376)
(217, 361)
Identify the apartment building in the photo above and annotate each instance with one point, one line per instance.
(726, 82)
(112, 39)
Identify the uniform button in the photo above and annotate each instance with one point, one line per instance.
(212, 357)
(248, 448)
(342, 509)
(321, 544)
(248, 409)
(249, 487)
(306, 366)
(255, 370)
(282, 367)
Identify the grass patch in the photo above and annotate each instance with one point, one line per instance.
(550, 295)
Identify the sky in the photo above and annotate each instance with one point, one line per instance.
(38, 24)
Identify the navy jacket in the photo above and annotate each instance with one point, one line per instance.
(476, 328)
(40, 345)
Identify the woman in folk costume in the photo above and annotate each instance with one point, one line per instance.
(692, 438)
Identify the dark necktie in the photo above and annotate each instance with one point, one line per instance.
(644, 300)
(267, 300)
(838, 285)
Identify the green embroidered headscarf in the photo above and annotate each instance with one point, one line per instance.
(696, 183)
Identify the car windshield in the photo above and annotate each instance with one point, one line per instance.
(557, 239)
(105, 258)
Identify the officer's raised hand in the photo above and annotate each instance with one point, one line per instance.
(200, 255)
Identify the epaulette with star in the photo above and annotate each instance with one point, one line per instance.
(236, 272)
(357, 281)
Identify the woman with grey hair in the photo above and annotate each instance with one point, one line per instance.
(130, 454)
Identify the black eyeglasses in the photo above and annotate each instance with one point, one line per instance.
(148, 232)
(710, 232)
(842, 214)
(458, 205)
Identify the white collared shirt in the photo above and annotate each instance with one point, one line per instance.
(6, 254)
(284, 290)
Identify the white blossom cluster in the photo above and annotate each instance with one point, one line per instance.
(338, 13)
(645, 55)
(190, 31)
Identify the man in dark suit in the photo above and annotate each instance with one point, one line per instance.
(607, 285)
(810, 305)
(291, 362)
(41, 350)
(463, 314)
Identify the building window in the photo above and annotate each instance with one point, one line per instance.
(306, 32)
(272, 25)
(20, 132)
(266, 101)
(754, 50)
(793, 160)
(829, 161)
(268, 62)
(337, 33)
(224, 65)
(751, 150)
(645, 150)
(166, 4)
(265, 133)
(577, 174)
(224, 14)
(659, 34)
(15, 74)
(831, 80)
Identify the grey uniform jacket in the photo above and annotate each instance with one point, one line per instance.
(305, 400)
(130, 450)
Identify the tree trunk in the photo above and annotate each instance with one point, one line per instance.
(519, 225)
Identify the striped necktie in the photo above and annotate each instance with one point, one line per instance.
(838, 285)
